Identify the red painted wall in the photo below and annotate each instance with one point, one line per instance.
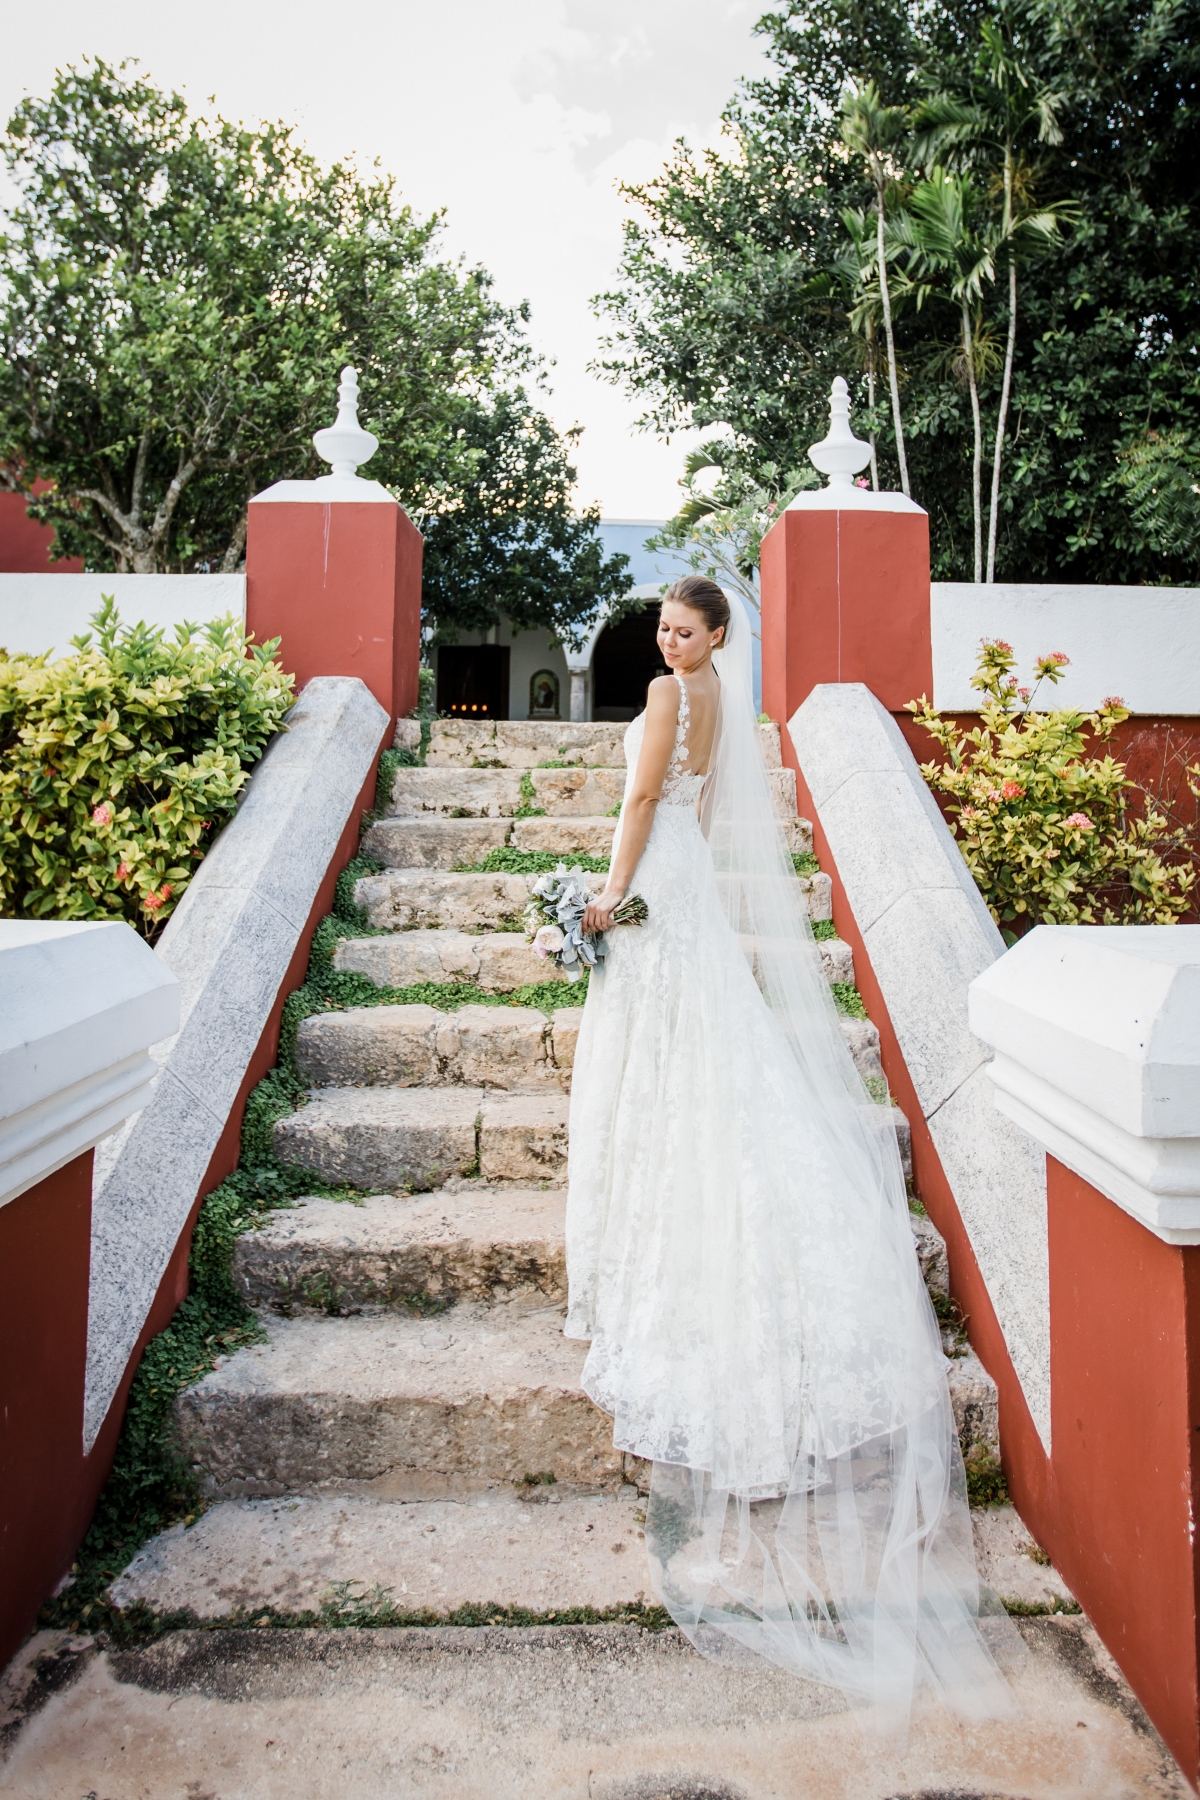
(25, 546)
(45, 1268)
(340, 585)
(45, 1504)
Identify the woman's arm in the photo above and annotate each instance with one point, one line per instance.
(658, 743)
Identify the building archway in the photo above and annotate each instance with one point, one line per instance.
(624, 663)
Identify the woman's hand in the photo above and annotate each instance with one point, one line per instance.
(598, 916)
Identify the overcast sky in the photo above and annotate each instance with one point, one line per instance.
(517, 116)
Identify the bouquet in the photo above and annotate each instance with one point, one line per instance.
(554, 921)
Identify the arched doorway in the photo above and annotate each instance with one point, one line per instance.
(624, 663)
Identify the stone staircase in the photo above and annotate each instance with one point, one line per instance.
(413, 1419)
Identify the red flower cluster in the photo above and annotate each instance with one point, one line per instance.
(153, 900)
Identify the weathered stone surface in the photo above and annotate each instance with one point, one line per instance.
(460, 743)
(456, 793)
(523, 744)
(863, 1039)
(474, 1243)
(1008, 1560)
(523, 1137)
(975, 1402)
(837, 958)
(497, 961)
(818, 895)
(382, 1139)
(577, 793)
(783, 787)
(591, 1712)
(496, 1047)
(565, 837)
(931, 1253)
(564, 1551)
(564, 1034)
(370, 1046)
(433, 843)
(433, 900)
(407, 735)
(489, 1393)
(768, 743)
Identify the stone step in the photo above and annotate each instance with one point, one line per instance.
(510, 1047)
(388, 1140)
(496, 793)
(422, 899)
(498, 961)
(475, 1395)
(438, 900)
(432, 842)
(524, 743)
(475, 1242)
(543, 1549)
(528, 743)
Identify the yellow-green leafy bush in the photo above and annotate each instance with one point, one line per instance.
(120, 762)
(1050, 829)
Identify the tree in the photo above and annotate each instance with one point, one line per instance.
(875, 132)
(720, 312)
(178, 295)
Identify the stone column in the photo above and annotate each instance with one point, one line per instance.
(1097, 1037)
(845, 585)
(333, 569)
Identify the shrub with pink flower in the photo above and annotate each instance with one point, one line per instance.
(103, 814)
(1043, 813)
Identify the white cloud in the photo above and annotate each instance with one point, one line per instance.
(518, 118)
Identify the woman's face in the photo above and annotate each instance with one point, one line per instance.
(684, 639)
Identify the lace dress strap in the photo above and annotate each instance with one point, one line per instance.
(680, 755)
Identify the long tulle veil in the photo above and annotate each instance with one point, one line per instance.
(860, 1573)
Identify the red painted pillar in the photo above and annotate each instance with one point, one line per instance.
(338, 580)
(845, 597)
(47, 1492)
(1119, 1519)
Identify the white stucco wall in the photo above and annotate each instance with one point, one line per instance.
(42, 613)
(1142, 643)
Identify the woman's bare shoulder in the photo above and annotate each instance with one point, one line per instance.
(662, 696)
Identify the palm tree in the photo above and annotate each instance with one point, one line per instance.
(951, 254)
(872, 130)
(1005, 109)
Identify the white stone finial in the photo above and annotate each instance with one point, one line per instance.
(840, 455)
(344, 443)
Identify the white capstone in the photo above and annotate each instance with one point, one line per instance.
(1096, 1030)
(229, 945)
(928, 934)
(345, 445)
(840, 456)
(83, 1002)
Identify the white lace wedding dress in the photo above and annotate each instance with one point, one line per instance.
(740, 1258)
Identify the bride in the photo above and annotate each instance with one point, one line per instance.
(738, 1247)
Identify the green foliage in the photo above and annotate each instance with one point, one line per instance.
(179, 295)
(848, 1000)
(805, 863)
(120, 762)
(505, 860)
(741, 271)
(986, 1485)
(529, 808)
(824, 930)
(1046, 828)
